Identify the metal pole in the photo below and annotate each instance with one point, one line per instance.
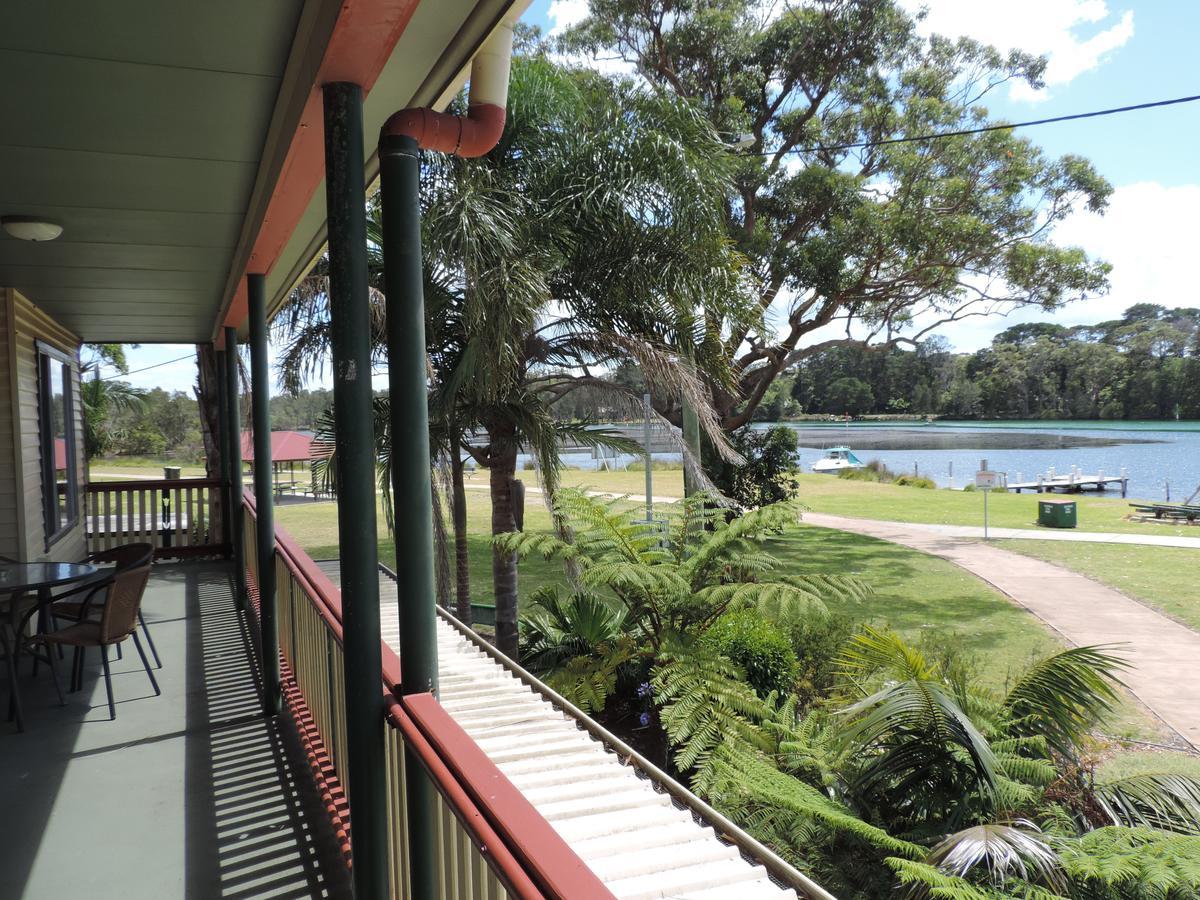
(264, 502)
(400, 184)
(223, 449)
(354, 444)
(646, 438)
(233, 449)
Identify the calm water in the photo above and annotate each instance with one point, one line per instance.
(1154, 454)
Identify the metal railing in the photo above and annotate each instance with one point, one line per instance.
(180, 517)
(490, 843)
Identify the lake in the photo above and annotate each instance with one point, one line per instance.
(1154, 454)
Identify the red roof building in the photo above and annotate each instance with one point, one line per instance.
(286, 446)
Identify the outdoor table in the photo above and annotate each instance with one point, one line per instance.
(32, 578)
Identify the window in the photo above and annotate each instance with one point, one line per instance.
(56, 410)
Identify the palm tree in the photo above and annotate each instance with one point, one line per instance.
(585, 238)
(100, 399)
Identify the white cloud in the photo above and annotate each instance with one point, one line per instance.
(1076, 36)
(565, 13)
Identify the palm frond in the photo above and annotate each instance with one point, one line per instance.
(1001, 850)
(1064, 695)
(1165, 801)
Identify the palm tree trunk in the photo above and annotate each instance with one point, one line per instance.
(458, 514)
(504, 565)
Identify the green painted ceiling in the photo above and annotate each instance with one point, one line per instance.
(138, 126)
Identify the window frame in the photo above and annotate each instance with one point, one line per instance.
(46, 356)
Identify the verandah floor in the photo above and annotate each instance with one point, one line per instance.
(192, 794)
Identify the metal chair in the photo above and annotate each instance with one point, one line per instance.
(119, 599)
(127, 556)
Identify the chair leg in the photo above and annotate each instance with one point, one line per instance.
(149, 640)
(14, 693)
(76, 668)
(112, 707)
(54, 672)
(146, 664)
(120, 653)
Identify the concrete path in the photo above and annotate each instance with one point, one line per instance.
(1026, 534)
(1165, 654)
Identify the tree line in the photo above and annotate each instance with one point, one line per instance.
(1144, 365)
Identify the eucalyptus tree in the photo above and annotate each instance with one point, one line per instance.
(854, 237)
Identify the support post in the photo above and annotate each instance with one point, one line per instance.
(233, 450)
(264, 502)
(222, 443)
(399, 174)
(354, 442)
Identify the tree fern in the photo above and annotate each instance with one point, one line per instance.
(1116, 863)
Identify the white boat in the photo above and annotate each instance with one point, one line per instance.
(836, 459)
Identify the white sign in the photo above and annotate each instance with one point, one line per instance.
(986, 479)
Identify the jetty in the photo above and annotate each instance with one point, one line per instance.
(1072, 482)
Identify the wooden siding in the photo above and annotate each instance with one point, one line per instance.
(22, 526)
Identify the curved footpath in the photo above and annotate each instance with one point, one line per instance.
(1165, 654)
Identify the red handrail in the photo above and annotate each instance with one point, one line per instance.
(559, 872)
(514, 876)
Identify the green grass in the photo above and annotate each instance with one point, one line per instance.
(865, 500)
(916, 594)
(1162, 577)
(134, 467)
(1125, 763)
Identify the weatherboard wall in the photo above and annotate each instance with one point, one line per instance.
(22, 525)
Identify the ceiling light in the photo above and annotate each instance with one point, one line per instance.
(30, 228)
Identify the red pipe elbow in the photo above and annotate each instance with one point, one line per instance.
(468, 136)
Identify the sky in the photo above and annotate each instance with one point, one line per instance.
(1100, 54)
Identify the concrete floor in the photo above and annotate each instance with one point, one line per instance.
(191, 794)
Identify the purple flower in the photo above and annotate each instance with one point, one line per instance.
(644, 718)
(644, 689)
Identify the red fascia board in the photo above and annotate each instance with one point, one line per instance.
(541, 851)
(363, 38)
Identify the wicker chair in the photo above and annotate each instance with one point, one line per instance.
(119, 599)
(69, 606)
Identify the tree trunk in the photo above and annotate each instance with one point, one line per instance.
(504, 565)
(208, 401)
(458, 514)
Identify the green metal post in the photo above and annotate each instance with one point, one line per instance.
(233, 449)
(354, 443)
(264, 501)
(223, 449)
(400, 184)
(399, 178)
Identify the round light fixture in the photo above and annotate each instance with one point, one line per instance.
(30, 228)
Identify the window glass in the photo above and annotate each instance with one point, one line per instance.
(57, 411)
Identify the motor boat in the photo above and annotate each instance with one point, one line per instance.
(836, 459)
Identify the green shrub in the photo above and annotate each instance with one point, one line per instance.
(917, 481)
(817, 642)
(761, 649)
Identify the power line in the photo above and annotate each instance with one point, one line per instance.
(985, 128)
(120, 375)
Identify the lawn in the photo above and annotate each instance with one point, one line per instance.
(867, 500)
(1162, 577)
(131, 468)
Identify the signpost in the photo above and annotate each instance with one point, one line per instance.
(985, 480)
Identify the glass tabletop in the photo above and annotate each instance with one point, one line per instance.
(32, 576)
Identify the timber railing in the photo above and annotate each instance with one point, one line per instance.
(490, 843)
(180, 517)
